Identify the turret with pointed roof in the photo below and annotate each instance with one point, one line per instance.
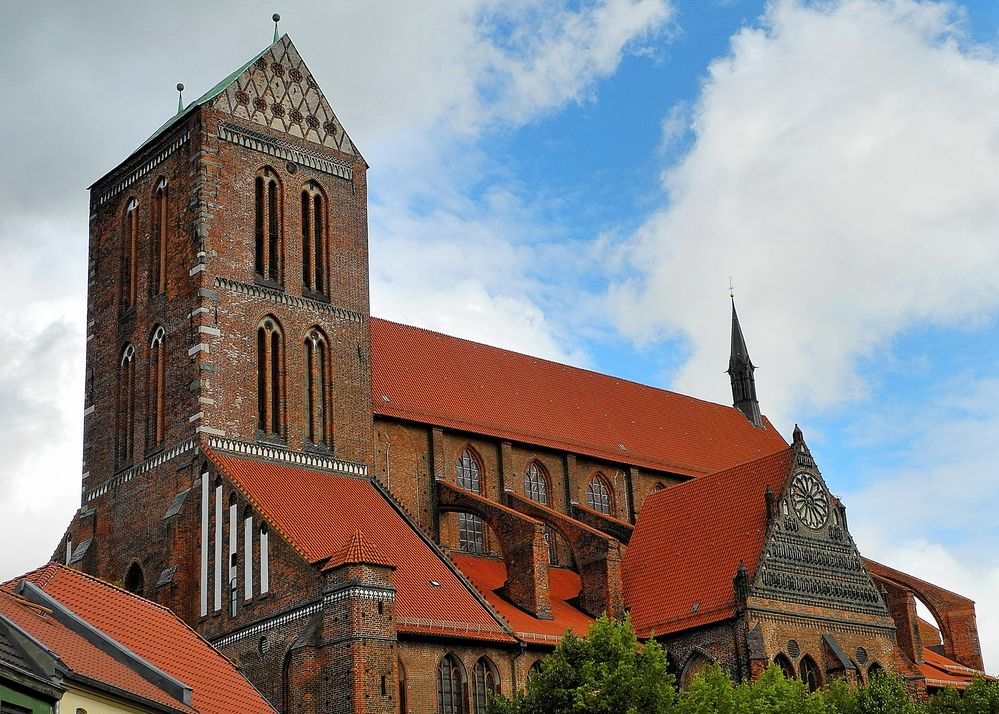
(740, 372)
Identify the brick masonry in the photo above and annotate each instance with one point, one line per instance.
(328, 641)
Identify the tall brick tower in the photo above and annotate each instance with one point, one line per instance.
(228, 308)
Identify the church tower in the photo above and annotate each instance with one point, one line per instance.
(740, 372)
(227, 309)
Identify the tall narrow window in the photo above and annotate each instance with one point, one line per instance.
(403, 689)
(316, 388)
(134, 580)
(129, 246)
(219, 528)
(486, 684)
(125, 411)
(536, 484)
(315, 238)
(450, 694)
(270, 378)
(471, 533)
(598, 495)
(267, 225)
(155, 389)
(159, 243)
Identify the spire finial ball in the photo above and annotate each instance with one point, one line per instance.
(180, 86)
(276, 17)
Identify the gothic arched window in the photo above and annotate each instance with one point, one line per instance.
(134, 579)
(598, 495)
(486, 680)
(536, 483)
(471, 531)
(468, 472)
(785, 666)
(129, 246)
(450, 686)
(159, 243)
(270, 377)
(317, 387)
(155, 389)
(810, 674)
(125, 408)
(267, 225)
(315, 238)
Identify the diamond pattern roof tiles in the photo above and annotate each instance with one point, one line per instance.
(689, 541)
(150, 631)
(432, 378)
(319, 513)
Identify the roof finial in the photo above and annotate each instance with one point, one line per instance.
(180, 97)
(731, 288)
(277, 19)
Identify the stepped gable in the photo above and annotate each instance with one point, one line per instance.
(318, 513)
(431, 378)
(82, 658)
(488, 575)
(155, 634)
(689, 541)
(359, 551)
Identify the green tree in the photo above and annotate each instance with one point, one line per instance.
(885, 694)
(606, 672)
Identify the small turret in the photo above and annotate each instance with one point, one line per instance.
(740, 372)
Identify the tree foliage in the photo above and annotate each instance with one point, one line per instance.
(606, 672)
(610, 672)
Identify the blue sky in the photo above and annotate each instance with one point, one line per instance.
(578, 180)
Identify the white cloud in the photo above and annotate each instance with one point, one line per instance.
(845, 171)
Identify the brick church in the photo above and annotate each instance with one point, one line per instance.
(370, 517)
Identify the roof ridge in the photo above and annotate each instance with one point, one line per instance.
(715, 476)
(587, 370)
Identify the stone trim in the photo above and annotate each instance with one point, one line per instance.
(265, 625)
(170, 146)
(258, 291)
(128, 474)
(314, 461)
(281, 149)
(832, 623)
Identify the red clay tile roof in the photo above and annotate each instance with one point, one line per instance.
(689, 541)
(453, 383)
(941, 671)
(359, 550)
(157, 635)
(488, 575)
(318, 514)
(82, 657)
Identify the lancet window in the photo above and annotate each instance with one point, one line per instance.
(159, 243)
(450, 686)
(598, 495)
(267, 226)
(270, 378)
(317, 387)
(129, 247)
(125, 409)
(315, 239)
(155, 389)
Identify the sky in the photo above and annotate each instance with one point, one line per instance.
(580, 180)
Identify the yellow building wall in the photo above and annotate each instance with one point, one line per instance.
(93, 702)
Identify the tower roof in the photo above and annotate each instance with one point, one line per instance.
(275, 89)
(359, 550)
(740, 353)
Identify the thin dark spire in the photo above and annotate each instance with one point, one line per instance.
(740, 372)
(180, 97)
(277, 19)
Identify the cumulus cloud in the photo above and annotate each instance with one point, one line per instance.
(844, 168)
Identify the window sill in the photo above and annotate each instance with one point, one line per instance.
(267, 283)
(314, 295)
(272, 439)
